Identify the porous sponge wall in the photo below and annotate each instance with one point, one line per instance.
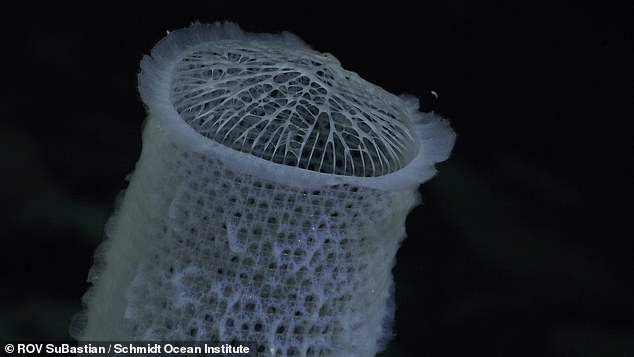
(298, 272)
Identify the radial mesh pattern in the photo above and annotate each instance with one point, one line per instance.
(291, 106)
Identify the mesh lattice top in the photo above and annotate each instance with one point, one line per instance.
(291, 106)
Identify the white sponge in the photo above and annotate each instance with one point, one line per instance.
(268, 202)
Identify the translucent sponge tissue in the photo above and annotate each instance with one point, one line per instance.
(268, 202)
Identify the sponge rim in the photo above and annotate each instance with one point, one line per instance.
(434, 134)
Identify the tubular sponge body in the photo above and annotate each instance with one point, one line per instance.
(268, 202)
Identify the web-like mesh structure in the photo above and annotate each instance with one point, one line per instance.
(291, 106)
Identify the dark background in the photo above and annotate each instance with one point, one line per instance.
(522, 245)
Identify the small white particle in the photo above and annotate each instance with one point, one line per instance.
(434, 94)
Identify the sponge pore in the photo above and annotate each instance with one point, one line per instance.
(293, 107)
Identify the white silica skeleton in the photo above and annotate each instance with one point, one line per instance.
(268, 202)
